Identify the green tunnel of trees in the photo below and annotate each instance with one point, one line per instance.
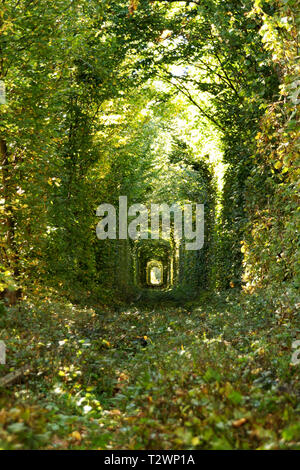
(184, 273)
(162, 101)
(138, 342)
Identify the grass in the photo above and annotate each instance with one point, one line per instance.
(214, 373)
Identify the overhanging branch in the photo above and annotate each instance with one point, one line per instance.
(187, 93)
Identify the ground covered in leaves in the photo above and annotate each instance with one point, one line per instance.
(212, 374)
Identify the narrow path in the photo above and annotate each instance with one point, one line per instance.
(198, 376)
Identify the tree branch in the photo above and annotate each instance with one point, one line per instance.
(187, 93)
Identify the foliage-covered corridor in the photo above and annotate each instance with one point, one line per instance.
(114, 332)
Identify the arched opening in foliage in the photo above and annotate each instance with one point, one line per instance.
(157, 255)
(154, 273)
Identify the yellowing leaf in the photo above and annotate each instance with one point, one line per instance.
(239, 422)
(76, 436)
(195, 441)
(115, 412)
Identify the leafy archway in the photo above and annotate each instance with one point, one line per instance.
(155, 273)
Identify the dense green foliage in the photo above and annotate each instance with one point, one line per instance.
(162, 101)
(66, 146)
(272, 241)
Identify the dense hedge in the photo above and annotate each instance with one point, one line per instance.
(271, 246)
